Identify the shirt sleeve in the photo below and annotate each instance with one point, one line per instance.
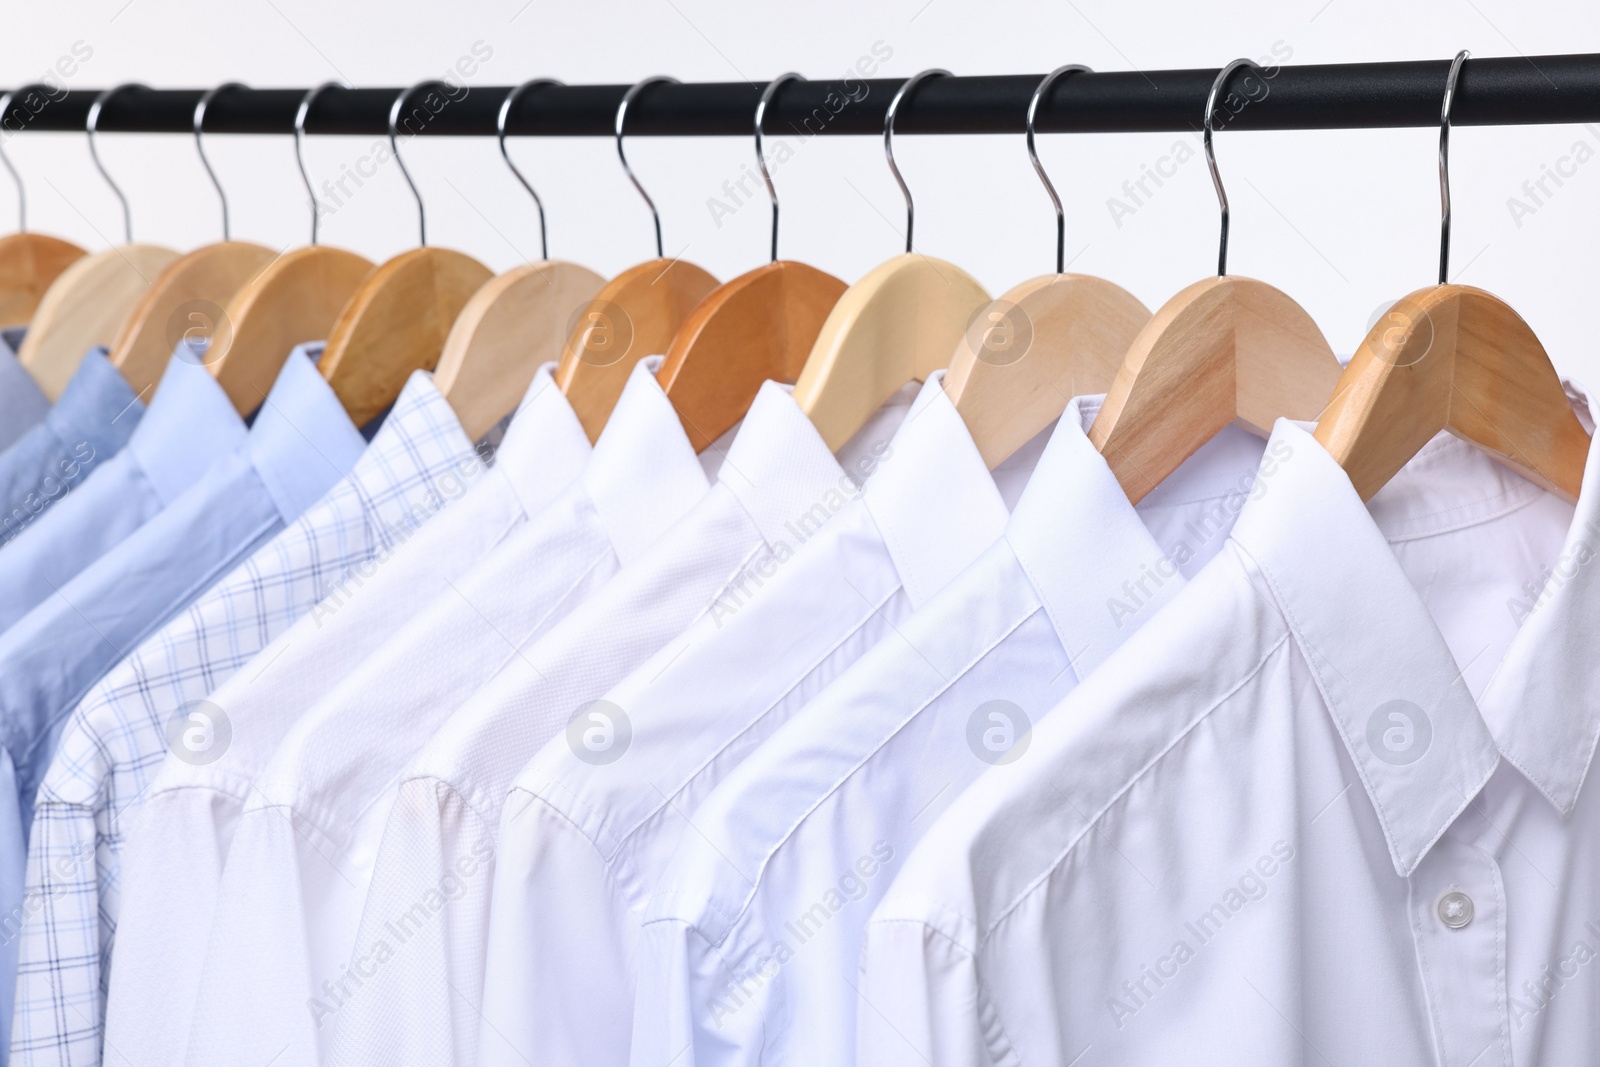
(62, 949)
(917, 998)
(562, 941)
(418, 958)
(171, 867)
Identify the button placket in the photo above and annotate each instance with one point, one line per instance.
(1458, 924)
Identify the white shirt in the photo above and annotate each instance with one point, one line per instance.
(419, 1003)
(749, 947)
(1327, 808)
(173, 857)
(291, 892)
(582, 842)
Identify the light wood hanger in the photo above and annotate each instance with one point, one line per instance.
(186, 300)
(760, 325)
(1224, 350)
(1042, 342)
(1451, 357)
(29, 262)
(294, 300)
(514, 323)
(635, 314)
(90, 300)
(398, 318)
(898, 324)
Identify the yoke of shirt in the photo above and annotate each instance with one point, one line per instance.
(88, 424)
(23, 404)
(154, 701)
(180, 833)
(749, 947)
(330, 781)
(582, 840)
(190, 424)
(1376, 723)
(777, 479)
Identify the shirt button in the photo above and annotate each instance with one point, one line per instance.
(1455, 909)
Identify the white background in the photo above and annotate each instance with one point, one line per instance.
(1343, 221)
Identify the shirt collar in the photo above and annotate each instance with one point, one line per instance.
(189, 424)
(302, 442)
(22, 403)
(98, 407)
(1089, 556)
(545, 445)
(643, 474)
(1541, 704)
(419, 458)
(931, 496)
(780, 469)
(1385, 672)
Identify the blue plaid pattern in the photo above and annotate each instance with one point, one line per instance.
(119, 734)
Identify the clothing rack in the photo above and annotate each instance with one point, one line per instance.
(1491, 92)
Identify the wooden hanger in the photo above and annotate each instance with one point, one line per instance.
(1042, 342)
(514, 323)
(188, 298)
(296, 299)
(898, 324)
(635, 314)
(29, 262)
(1451, 357)
(760, 325)
(398, 318)
(90, 300)
(1224, 350)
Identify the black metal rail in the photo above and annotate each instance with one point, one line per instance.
(1492, 91)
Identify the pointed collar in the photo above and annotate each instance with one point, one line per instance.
(190, 424)
(931, 496)
(643, 474)
(1089, 556)
(302, 442)
(545, 446)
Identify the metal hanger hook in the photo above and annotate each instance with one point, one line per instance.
(22, 194)
(761, 158)
(394, 146)
(1211, 156)
(200, 144)
(500, 128)
(90, 126)
(888, 139)
(622, 114)
(1049, 187)
(1444, 164)
(300, 115)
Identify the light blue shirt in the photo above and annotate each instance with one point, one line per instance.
(91, 422)
(22, 403)
(301, 443)
(190, 424)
